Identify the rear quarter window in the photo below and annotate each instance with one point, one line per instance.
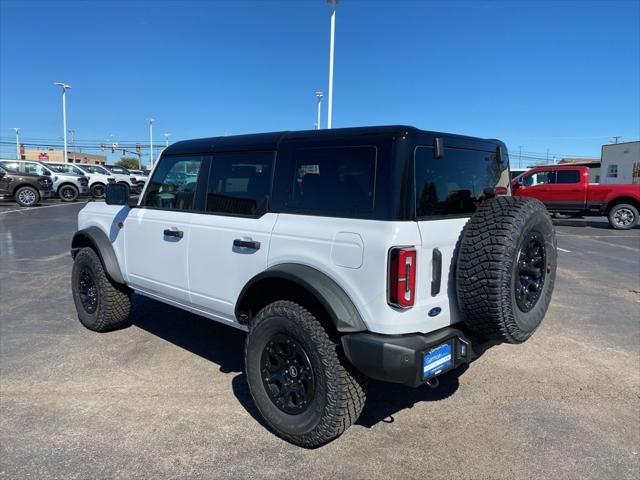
(453, 185)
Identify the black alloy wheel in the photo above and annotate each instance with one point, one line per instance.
(287, 374)
(88, 290)
(531, 271)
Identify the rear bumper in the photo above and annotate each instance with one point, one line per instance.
(399, 358)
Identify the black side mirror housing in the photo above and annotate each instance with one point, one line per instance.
(116, 194)
(2, 174)
(47, 173)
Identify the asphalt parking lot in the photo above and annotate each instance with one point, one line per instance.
(167, 397)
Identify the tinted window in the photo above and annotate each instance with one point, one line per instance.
(119, 170)
(454, 184)
(239, 183)
(173, 185)
(73, 170)
(567, 176)
(612, 171)
(542, 177)
(334, 179)
(10, 166)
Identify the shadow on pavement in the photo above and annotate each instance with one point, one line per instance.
(224, 346)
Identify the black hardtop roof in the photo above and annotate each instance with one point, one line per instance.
(271, 140)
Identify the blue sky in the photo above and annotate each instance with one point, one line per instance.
(562, 76)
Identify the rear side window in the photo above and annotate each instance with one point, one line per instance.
(567, 176)
(239, 183)
(173, 185)
(34, 168)
(10, 166)
(335, 180)
(454, 184)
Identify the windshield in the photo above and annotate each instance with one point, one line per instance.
(454, 184)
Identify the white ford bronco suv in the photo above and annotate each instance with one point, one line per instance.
(388, 253)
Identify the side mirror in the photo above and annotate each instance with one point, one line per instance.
(116, 194)
(46, 172)
(2, 174)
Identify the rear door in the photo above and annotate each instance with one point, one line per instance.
(229, 241)
(568, 192)
(448, 190)
(157, 233)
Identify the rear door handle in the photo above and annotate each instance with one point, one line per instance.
(246, 244)
(173, 233)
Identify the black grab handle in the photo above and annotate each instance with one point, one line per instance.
(436, 273)
(246, 244)
(173, 233)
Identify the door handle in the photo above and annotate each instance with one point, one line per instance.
(246, 244)
(173, 233)
(576, 190)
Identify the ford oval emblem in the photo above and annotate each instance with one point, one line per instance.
(435, 311)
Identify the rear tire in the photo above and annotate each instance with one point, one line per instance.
(68, 193)
(506, 268)
(303, 386)
(623, 216)
(27, 197)
(102, 305)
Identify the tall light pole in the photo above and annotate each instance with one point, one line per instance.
(151, 120)
(333, 4)
(17, 143)
(73, 143)
(64, 87)
(166, 139)
(319, 96)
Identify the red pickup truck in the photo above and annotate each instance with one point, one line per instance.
(566, 189)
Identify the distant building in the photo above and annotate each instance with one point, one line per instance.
(621, 163)
(51, 155)
(592, 163)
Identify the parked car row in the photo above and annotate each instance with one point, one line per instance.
(29, 181)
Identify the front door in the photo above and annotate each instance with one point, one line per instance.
(537, 184)
(157, 232)
(229, 243)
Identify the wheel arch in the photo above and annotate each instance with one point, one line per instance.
(301, 283)
(96, 239)
(623, 199)
(67, 183)
(23, 184)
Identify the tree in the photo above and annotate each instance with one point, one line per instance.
(128, 162)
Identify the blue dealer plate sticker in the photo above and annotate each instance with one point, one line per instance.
(437, 360)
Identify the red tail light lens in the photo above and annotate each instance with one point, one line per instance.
(402, 277)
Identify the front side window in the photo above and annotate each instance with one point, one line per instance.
(34, 168)
(542, 177)
(336, 180)
(173, 185)
(568, 176)
(239, 183)
(96, 169)
(612, 171)
(73, 170)
(454, 184)
(120, 170)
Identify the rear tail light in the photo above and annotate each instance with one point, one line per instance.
(402, 276)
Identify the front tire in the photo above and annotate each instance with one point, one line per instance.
(299, 379)
(68, 193)
(27, 197)
(98, 190)
(623, 216)
(102, 305)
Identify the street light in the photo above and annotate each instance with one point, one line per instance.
(319, 96)
(333, 4)
(166, 139)
(17, 143)
(151, 120)
(64, 87)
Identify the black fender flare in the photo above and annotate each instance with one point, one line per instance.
(98, 240)
(331, 296)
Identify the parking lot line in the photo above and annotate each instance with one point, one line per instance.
(36, 209)
(564, 250)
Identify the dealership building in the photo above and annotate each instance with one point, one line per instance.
(51, 155)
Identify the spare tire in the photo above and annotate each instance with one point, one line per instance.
(506, 268)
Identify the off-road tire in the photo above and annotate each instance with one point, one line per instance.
(487, 269)
(114, 301)
(29, 192)
(614, 223)
(98, 190)
(340, 390)
(66, 195)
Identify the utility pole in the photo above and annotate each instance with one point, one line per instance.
(151, 120)
(64, 87)
(333, 4)
(520, 156)
(616, 138)
(547, 162)
(166, 139)
(73, 144)
(319, 96)
(17, 143)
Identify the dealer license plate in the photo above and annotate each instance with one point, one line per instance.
(437, 360)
